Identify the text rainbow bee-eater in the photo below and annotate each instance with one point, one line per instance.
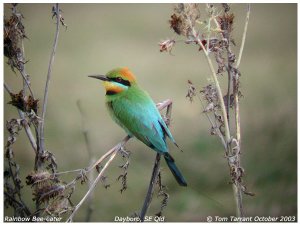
(133, 109)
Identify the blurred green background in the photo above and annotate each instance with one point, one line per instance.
(100, 37)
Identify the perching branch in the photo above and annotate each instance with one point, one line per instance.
(111, 153)
(156, 166)
(70, 219)
(150, 191)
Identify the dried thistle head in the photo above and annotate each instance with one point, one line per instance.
(47, 192)
(184, 17)
(38, 178)
(13, 33)
(60, 206)
(176, 24)
(45, 185)
(23, 102)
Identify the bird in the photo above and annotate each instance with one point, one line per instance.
(133, 109)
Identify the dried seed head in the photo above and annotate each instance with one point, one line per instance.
(226, 7)
(176, 24)
(14, 32)
(210, 94)
(23, 102)
(60, 206)
(47, 192)
(184, 17)
(166, 45)
(36, 178)
(191, 91)
(226, 22)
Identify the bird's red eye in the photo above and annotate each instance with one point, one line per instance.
(120, 80)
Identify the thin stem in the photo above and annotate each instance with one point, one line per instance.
(70, 219)
(215, 79)
(20, 204)
(111, 151)
(236, 96)
(7, 88)
(212, 124)
(237, 118)
(42, 126)
(244, 37)
(84, 130)
(25, 81)
(236, 186)
(91, 161)
(163, 104)
(238, 199)
(66, 172)
(228, 93)
(23, 72)
(220, 97)
(150, 191)
(17, 186)
(28, 131)
(209, 27)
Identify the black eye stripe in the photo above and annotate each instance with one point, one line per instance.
(111, 93)
(121, 81)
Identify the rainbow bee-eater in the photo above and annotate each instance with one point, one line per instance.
(134, 110)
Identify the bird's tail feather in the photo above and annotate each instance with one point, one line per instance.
(175, 171)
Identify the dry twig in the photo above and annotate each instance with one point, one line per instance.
(148, 198)
(184, 22)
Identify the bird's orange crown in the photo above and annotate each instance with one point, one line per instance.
(124, 73)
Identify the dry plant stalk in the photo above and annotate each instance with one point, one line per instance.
(213, 37)
(48, 190)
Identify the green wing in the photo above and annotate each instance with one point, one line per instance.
(140, 118)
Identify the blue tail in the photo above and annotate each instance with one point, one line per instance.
(171, 164)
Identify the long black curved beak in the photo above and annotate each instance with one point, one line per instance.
(100, 77)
